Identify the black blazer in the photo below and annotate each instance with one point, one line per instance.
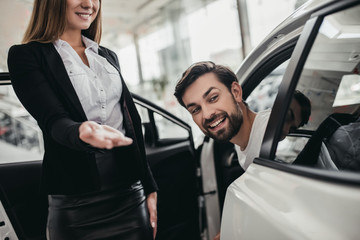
(42, 84)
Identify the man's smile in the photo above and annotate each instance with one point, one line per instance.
(217, 122)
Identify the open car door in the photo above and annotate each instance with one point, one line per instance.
(170, 151)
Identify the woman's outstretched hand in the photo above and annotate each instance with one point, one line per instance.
(102, 136)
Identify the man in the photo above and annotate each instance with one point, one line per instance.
(212, 95)
(297, 115)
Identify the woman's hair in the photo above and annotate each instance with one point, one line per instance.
(48, 20)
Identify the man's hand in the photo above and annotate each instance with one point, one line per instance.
(102, 136)
(151, 201)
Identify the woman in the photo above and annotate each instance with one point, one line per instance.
(94, 168)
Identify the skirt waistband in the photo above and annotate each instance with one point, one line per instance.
(98, 196)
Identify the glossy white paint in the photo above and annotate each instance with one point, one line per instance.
(266, 203)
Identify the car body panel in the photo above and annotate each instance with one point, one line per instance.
(274, 204)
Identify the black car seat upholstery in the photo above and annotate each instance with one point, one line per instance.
(344, 146)
(227, 167)
(309, 156)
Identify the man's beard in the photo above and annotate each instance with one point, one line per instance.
(226, 134)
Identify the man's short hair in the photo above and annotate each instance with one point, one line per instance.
(224, 74)
(305, 105)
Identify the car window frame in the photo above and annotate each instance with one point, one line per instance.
(155, 109)
(282, 102)
(5, 78)
(267, 65)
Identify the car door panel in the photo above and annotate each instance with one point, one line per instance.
(288, 206)
(172, 160)
(174, 164)
(174, 172)
(173, 168)
(24, 203)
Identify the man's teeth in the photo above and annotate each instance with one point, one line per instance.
(217, 123)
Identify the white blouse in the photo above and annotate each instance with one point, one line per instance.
(98, 87)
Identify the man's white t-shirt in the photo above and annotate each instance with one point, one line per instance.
(252, 149)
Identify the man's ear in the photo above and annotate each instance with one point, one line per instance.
(236, 91)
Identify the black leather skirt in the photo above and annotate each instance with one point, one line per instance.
(115, 213)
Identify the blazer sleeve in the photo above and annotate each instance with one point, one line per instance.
(38, 96)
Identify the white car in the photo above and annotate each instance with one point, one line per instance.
(308, 185)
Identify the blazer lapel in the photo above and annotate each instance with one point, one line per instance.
(62, 80)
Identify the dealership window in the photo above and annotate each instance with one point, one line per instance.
(20, 136)
(264, 16)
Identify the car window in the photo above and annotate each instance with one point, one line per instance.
(20, 136)
(157, 128)
(330, 80)
(263, 96)
(168, 129)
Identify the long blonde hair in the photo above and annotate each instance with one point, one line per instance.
(48, 20)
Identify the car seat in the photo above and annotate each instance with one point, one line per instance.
(344, 146)
(315, 153)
